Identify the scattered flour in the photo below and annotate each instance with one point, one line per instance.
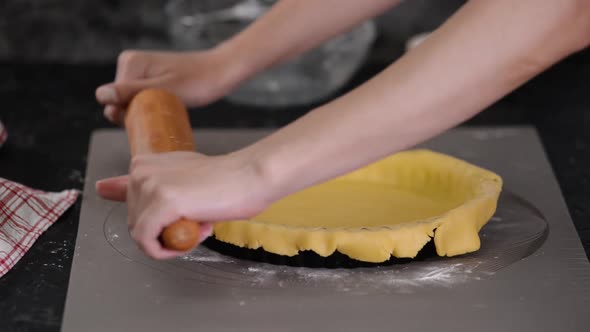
(205, 256)
(406, 278)
(392, 278)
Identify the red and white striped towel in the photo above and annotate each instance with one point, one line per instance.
(25, 214)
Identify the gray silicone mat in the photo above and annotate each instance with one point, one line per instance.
(531, 273)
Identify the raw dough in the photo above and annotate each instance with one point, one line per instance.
(389, 208)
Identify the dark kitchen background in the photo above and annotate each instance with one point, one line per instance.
(97, 30)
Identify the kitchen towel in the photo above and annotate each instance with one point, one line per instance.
(25, 213)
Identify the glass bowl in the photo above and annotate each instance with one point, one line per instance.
(308, 78)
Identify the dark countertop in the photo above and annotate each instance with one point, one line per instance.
(49, 110)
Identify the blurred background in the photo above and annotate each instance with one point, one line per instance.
(94, 32)
(97, 30)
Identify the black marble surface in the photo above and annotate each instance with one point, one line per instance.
(49, 110)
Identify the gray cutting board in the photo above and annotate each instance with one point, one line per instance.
(113, 287)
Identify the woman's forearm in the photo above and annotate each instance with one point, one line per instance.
(292, 27)
(487, 49)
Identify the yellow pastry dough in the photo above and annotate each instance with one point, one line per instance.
(390, 208)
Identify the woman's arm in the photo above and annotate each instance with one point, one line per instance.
(292, 27)
(288, 29)
(487, 49)
(483, 52)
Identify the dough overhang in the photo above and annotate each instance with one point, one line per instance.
(392, 207)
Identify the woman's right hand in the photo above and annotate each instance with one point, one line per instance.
(163, 188)
(198, 78)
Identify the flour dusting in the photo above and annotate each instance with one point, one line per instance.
(403, 278)
(205, 256)
(392, 278)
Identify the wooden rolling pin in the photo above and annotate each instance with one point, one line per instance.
(156, 121)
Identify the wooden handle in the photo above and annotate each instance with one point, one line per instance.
(156, 122)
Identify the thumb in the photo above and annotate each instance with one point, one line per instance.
(120, 93)
(114, 189)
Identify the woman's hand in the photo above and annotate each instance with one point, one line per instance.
(162, 188)
(288, 29)
(198, 78)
